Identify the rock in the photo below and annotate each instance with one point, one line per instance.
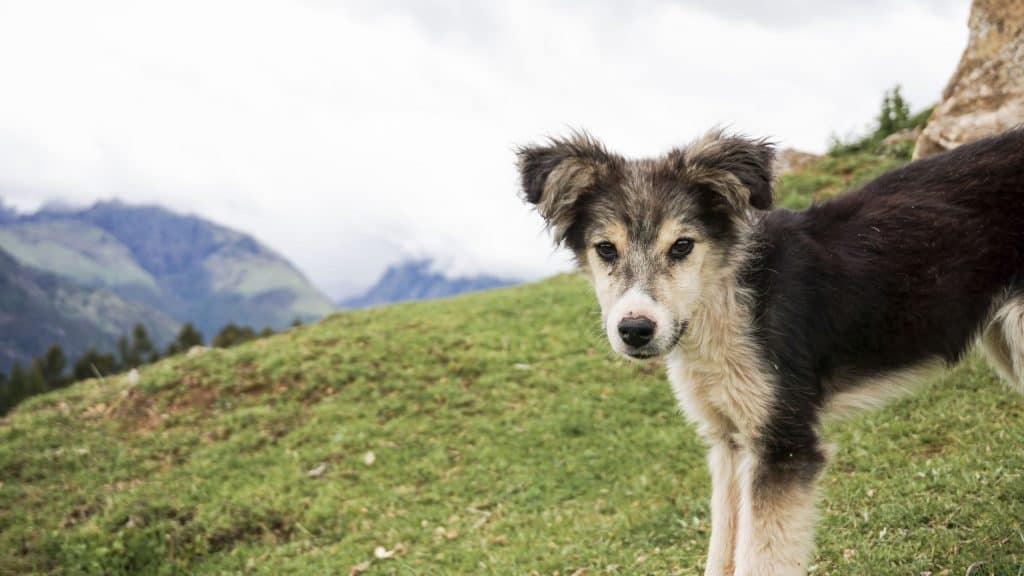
(317, 471)
(195, 351)
(906, 135)
(985, 96)
(790, 160)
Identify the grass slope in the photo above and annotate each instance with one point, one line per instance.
(505, 440)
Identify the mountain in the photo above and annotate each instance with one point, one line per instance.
(7, 214)
(180, 267)
(416, 280)
(38, 309)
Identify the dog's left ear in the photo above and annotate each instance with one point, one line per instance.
(738, 168)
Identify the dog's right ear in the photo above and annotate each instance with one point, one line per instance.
(557, 176)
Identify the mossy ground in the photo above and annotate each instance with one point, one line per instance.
(487, 434)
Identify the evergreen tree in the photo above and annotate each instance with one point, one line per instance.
(16, 383)
(126, 353)
(93, 364)
(233, 335)
(143, 346)
(4, 393)
(34, 381)
(188, 337)
(50, 367)
(895, 113)
(137, 350)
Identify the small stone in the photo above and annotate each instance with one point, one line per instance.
(382, 553)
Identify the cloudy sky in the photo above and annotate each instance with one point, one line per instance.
(350, 135)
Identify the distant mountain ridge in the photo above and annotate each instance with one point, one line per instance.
(182, 267)
(417, 280)
(38, 310)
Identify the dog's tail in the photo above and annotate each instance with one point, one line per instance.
(1003, 341)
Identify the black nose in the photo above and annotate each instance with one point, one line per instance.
(636, 332)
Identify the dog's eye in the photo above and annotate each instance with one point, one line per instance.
(681, 248)
(606, 251)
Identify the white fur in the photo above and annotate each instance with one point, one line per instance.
(776, 529)
(635, 303)
(1003, 342)
(723, 461)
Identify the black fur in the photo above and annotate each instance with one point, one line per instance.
(749, 161)
(904, 270)
(561, 207)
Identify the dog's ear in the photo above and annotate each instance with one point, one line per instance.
(558, 176)
(738, 168)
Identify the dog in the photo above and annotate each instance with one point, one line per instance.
(770, 320)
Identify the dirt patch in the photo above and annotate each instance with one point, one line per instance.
(137, 411)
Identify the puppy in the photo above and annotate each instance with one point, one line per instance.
(769, 320)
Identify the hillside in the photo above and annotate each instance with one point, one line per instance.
(178, 266)
(418, 280)
(38, 310)
(486, 434)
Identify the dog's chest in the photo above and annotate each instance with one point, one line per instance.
(724, 392)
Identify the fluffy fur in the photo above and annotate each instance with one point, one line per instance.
(770, 320)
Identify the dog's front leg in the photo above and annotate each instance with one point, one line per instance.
(778, 487)
(723, 461)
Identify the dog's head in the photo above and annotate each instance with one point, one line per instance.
(655, 236)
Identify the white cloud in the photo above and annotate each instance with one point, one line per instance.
(348, 136)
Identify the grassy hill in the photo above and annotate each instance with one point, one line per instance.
(487, 434)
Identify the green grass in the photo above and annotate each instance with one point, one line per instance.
(830, 176)
(506, 440)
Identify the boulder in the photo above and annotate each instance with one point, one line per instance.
(985, 96)
(790, 160)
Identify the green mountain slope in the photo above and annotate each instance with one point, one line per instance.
(38, 310)
(485, 434)
(74, 250)
(180, 266)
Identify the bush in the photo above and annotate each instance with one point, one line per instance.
(894, 116)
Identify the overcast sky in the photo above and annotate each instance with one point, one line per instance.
(350, 135)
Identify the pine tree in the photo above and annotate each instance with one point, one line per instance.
(141, 343)
(14, 392)
(126, 353)
(4, 392)
(233, 335)
(188, 337)
(137, 350)
(93, 364)
(50, 367)
(895, 113)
